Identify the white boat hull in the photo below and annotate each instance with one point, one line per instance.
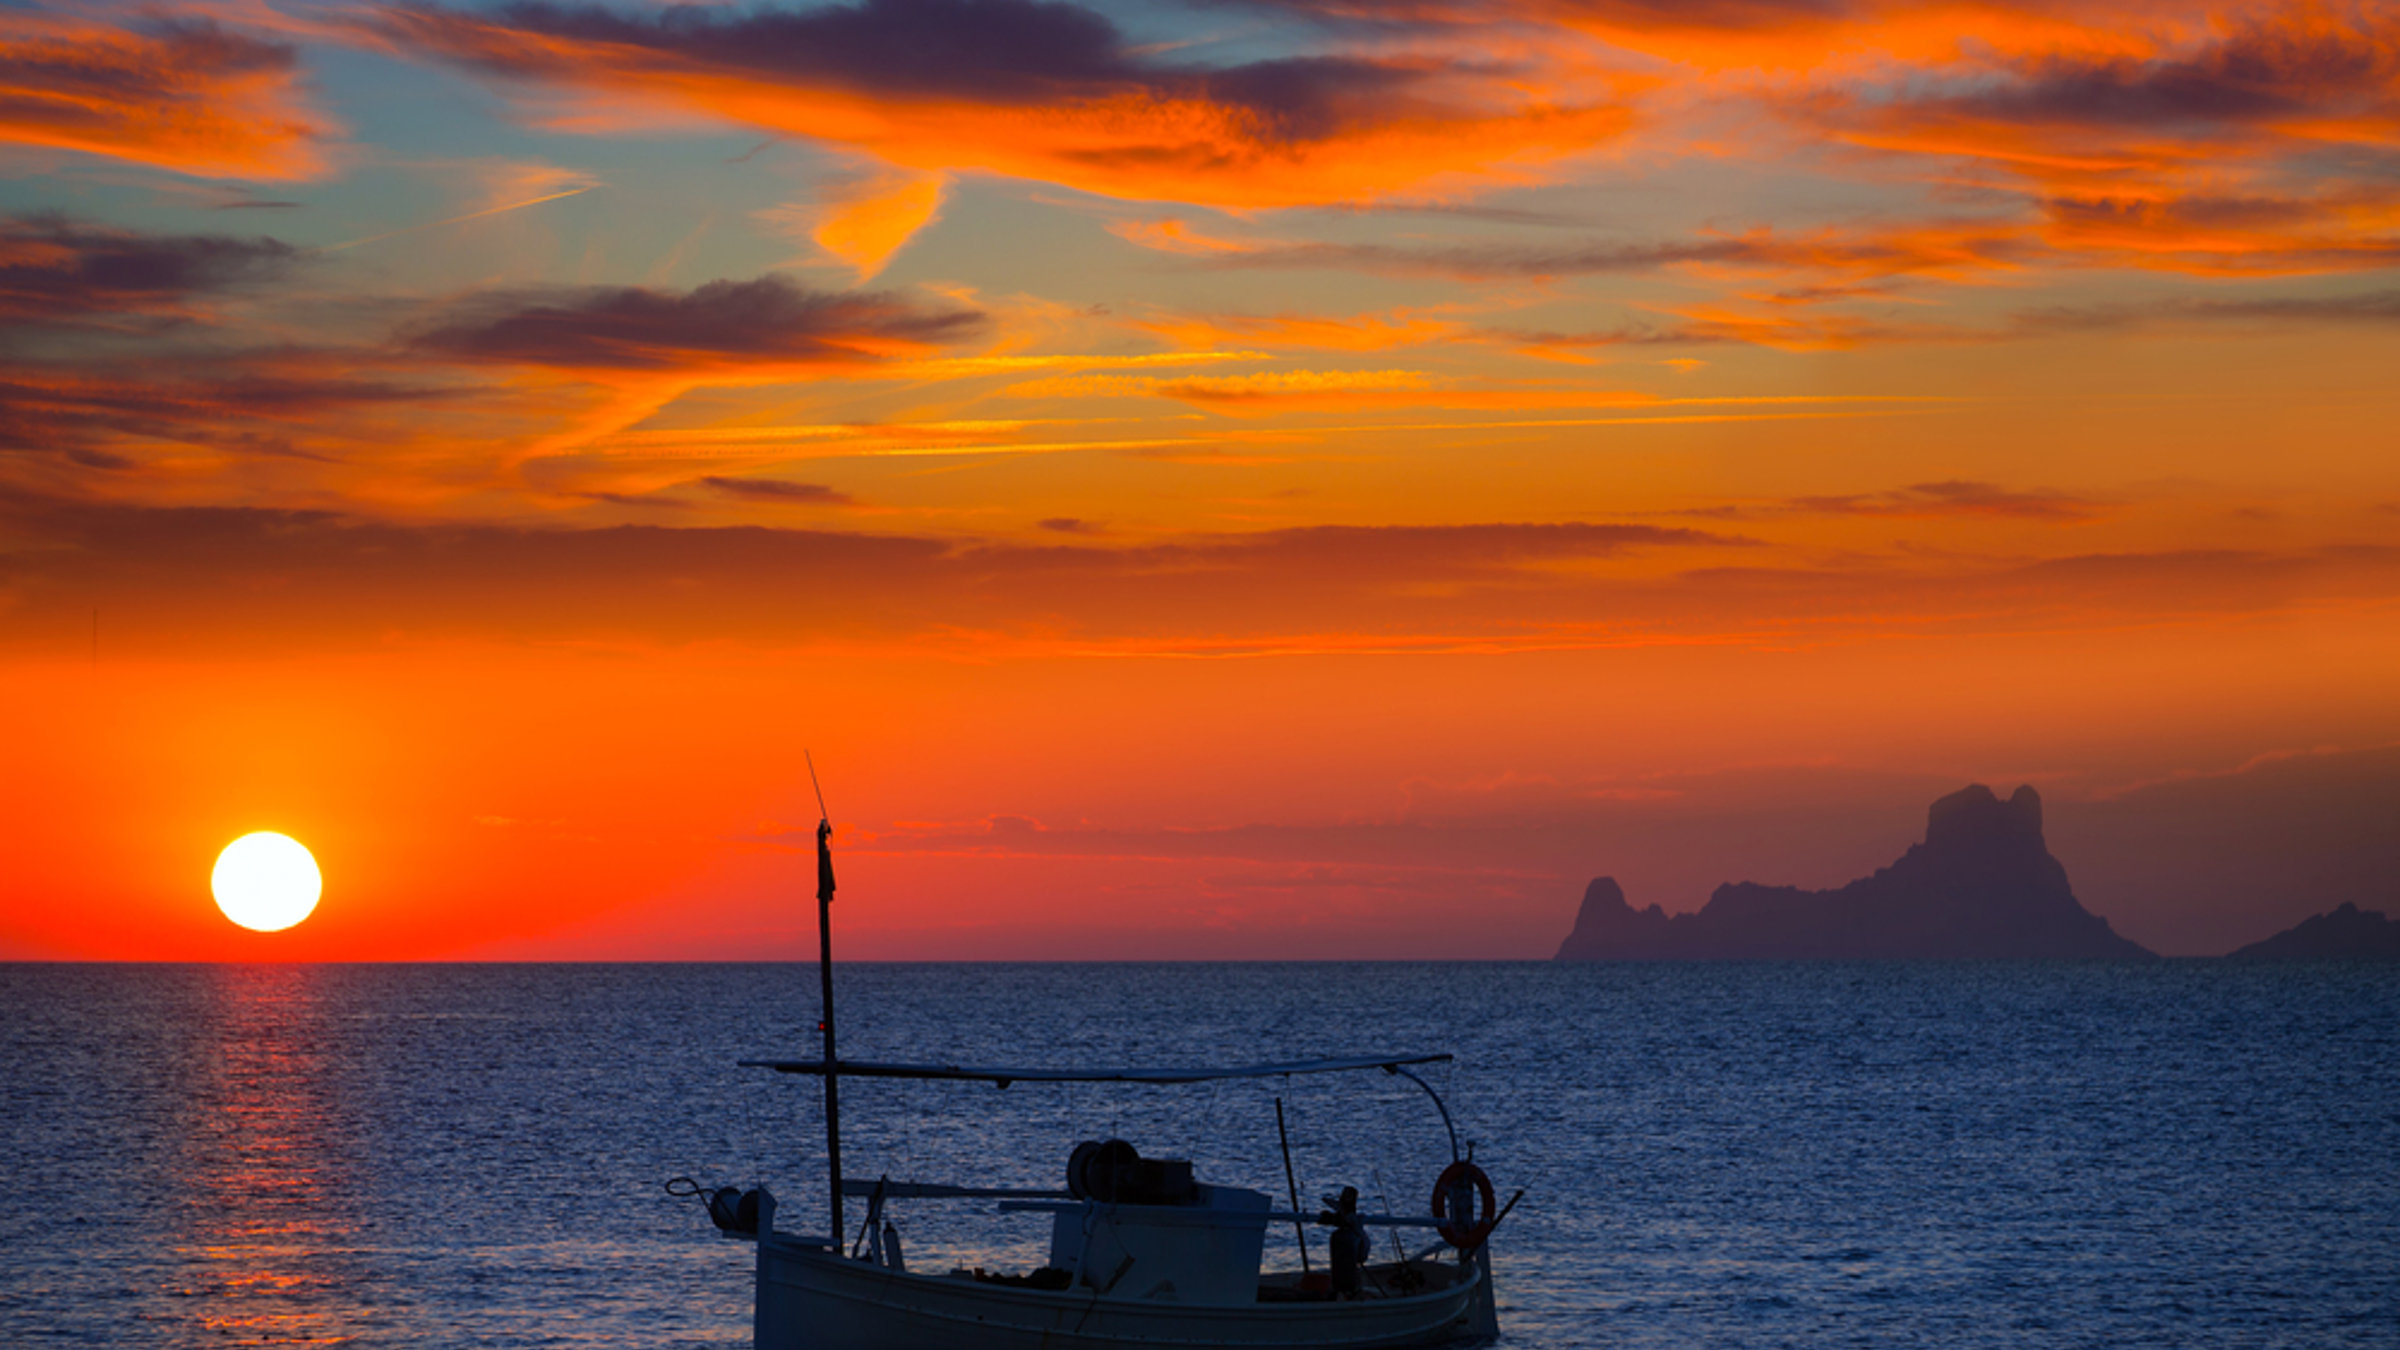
(812, 1299)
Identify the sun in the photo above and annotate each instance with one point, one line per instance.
(266, 881)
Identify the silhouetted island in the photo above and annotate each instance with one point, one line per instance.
(2346, 934)
(1983, 884)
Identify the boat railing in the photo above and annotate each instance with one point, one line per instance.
(934, 1190)
(1223, 1218)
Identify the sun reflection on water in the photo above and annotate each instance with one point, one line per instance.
(264, 1224)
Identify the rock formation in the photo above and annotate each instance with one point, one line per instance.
(2346, 934)
(1983, 884)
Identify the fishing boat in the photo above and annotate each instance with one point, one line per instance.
(1142, 1253)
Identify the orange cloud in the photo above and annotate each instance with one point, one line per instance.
(2196, 147)
(1356, 333)
(181, 94)
(321, 578)
(1175, 236)
(1045, 91)
(1279, 389)
(864, 223)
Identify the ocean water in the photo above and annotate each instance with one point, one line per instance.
(1953, 1155)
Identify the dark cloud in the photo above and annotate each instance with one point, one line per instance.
(224, 401)
(1007, 53)
(997, 51)
(776, 490)
(1485, 262)
(643, 501)
(55, 270)
(2364, 307)
(1428, 549)
(217, 569)
(1630, 335)
(1069, 525)
(1951, 498)
(767, 320)
(2284, 65)
(1894, 252)
(192, 576)
(1631, 16)
(1724, 16)
(428, 570)
(1305, 98)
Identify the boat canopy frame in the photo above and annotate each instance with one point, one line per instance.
(1155, 1077)
(868, 1068)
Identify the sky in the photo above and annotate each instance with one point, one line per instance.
(1229, 479)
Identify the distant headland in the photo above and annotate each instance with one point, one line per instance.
(2345, 934)
(1983, 884)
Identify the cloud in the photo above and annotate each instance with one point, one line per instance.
(622, 352)
(1951, 498)
(864, 223)
(1420, 551)
(1956, 250)
(2365, 307)
(179, 94)
(2271, 69)
(1355, 333)
(775, 491)
(2205, 145)
(768, 322)
(214, 570)
(1175, 236)
(1041, 90)
(1286, 389)
(112, 413)
(316, 578)
(55, 271)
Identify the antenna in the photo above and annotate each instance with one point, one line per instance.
(822, 813)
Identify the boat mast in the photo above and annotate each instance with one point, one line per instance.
(833, 1094)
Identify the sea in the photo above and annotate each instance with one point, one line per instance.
(2005, 1154)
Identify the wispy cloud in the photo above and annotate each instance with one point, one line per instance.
(55, 270)
(1360, 589)
(175, 93)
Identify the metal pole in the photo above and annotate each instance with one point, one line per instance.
(833, 1092)
(1299, 1225)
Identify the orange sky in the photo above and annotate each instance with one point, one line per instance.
(1257, 480)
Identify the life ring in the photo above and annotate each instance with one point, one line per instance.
(1465, 1231)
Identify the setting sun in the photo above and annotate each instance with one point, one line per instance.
(266, 881)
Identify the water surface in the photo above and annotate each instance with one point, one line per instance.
(1969, 1155)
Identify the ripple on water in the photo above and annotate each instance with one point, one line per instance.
(1960, 1155)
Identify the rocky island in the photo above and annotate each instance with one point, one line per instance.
(2345, 934)
(1983, 884)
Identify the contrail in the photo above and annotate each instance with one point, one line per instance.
(454, 220)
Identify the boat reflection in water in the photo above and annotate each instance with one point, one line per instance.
(1141, 1253)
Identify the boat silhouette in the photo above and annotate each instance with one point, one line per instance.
(1142, 1252)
